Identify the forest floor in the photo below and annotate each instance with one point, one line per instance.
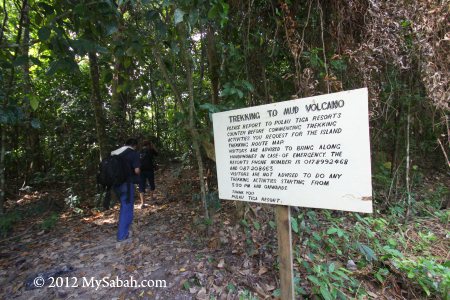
(171, 246)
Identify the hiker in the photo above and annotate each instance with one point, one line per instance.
(147, 155)
(125, 191)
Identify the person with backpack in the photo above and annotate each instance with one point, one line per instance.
(147, 155)
(125, 190)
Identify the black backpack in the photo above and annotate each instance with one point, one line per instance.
(146, 160)
(114, 170)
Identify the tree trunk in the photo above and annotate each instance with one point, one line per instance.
(156, 110)
(118, 104)
(7, 90)
(213, 64)
(5, 21)
(33, 135)
(119, 99)
(2, 169)
(97, 105)
(185, 56)
(407, 177)
(169, 79)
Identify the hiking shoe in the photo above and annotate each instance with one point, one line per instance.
(121, 243)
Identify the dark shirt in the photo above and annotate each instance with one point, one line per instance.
(132, 157)
(147, 159)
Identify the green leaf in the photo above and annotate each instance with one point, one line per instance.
(212, 108)
(276, 293)
(178, 15)
(425, 288)
(314, 280)
(244, 222)
(331, 268)
(367, 252)
(231, 287)
(161, 29)
(341, 273)
(35, 61)
(193, 17)
(127, 62)
(48, 9)
(213, 12)
(38, 19)
(332, 230)
(294, 224)
(392, 251)
(387, 165)
(317, 237)
(152, 15)
(248, 85)
(20, 60)
(225, 7)
(83, 46)
(108, 76)
(44, 33)
(34, 103)
(325, 293)
(240, 93)
(272, 224)
(256, 225)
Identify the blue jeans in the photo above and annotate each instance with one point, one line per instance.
(125, 192)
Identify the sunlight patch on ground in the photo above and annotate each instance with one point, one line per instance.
(27, 198)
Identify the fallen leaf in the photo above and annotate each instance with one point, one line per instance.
(202, 294)
(130, 268)
(100, 256)
(373, 295)
(262, 270)
(221, 264)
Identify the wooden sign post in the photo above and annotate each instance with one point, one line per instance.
(311, 152)
(283, 221)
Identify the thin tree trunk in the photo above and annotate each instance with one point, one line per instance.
(119, 97)
(97, 105)
(396, 151)
(118, 108)
(155, 108)
(33, 145)
(169, 79)
(7, 90)
(408, 188)
(213, 64)
(2, 169)
(191, 125)
(5, 21)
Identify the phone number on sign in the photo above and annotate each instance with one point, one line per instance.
(92, 282)
(325, 161)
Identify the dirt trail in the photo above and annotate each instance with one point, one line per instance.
(166, 248)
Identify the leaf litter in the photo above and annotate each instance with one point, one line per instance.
(170, 242)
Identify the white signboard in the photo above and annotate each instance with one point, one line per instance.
(310, 152)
